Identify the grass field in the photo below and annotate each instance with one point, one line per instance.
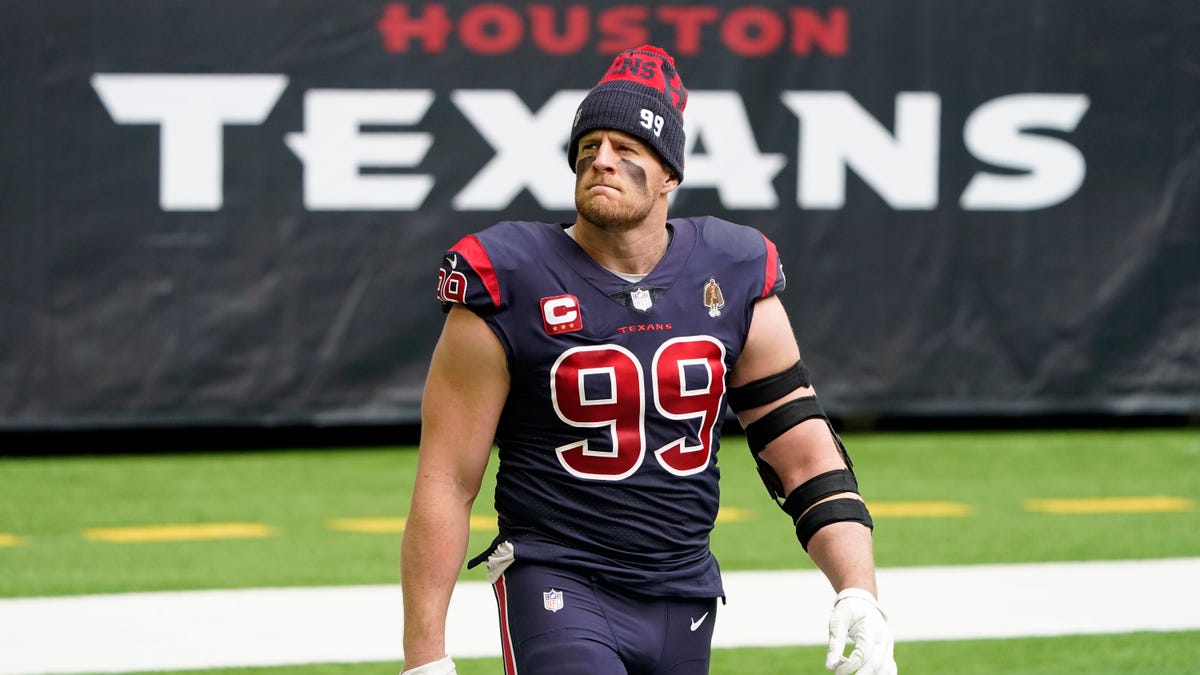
(1157, 653)
(76, 525)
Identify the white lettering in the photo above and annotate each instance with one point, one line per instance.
(560, 310)
(347, 167)
(652, 121)
(837, 134)
(529, 149)
(731, 161)
(334, 149)
(191, 111)
(1052, 169)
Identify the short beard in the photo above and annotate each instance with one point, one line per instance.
(615, 217)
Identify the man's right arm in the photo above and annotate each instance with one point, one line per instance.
(464, 394)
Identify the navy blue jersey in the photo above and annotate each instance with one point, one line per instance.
(608, 440)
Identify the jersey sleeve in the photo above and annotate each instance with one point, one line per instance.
(774, 280)
(468, 277)
(752, 256)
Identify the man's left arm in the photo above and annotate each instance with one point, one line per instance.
(805, 467)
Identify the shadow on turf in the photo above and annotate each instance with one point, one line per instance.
(217, 438)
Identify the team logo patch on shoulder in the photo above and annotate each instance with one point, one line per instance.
(560, 314)
(552, 600)
(714, 299)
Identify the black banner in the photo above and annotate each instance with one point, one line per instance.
(232, 212)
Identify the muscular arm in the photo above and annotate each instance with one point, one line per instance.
(464, 393)
(843, 551)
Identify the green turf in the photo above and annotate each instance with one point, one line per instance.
(1132, 654)
(49, 502)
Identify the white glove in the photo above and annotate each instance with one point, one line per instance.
(443, 666)
(856, 615)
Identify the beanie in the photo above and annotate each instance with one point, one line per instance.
(640, 95)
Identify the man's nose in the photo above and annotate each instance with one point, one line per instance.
(606, 156)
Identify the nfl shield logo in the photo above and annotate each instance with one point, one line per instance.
(552, 600)
(640, 298)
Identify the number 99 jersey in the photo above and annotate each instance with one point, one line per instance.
(608, 440)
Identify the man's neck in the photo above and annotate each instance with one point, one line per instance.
(634, 251)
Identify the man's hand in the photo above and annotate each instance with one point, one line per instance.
(443, 666)
(856, 616)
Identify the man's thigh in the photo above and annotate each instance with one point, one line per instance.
(556, 620)
(551, 621)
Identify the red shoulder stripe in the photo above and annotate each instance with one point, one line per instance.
(471, 249)
(772, 271)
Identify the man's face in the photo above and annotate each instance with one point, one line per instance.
(618, 179)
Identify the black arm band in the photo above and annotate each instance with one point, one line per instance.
(770, 388)
(772, 425)
(830, 512)
(817, 488)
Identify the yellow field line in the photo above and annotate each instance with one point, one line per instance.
(10, 540)
(732, 514)
(1151, 504)
(483, 522)
(367, 525)
(397, 524)
(191, 532)
(726, 514)
(923, 509)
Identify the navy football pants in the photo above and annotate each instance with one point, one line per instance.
(555, 620)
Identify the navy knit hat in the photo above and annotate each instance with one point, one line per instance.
(641, 95)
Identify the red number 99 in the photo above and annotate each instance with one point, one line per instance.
(616, 400)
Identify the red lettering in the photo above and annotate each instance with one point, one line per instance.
(752, 31)
(495, 28)
(643, 327)
(833, 36)
(688, 23)
(491, 29)
(548, 39)
(622, 27)
(398, 28)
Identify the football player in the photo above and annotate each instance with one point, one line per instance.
(599, 356)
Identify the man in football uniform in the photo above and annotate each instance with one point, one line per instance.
(599, 357)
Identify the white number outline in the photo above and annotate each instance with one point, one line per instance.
(583, 445)
(717, 379)
(707, 427)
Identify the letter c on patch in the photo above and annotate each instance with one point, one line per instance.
(560, 314)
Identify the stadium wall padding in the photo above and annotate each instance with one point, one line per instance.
(232, 212)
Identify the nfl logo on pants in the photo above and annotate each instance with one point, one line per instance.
(552, 600)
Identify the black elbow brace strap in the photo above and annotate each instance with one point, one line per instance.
(817, 488)
(833, 511)
(771, 426)
(770, 388)
(787, 415)
(809, 516)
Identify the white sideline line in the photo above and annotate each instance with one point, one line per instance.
(261, 627)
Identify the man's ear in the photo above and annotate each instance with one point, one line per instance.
(669, 183)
